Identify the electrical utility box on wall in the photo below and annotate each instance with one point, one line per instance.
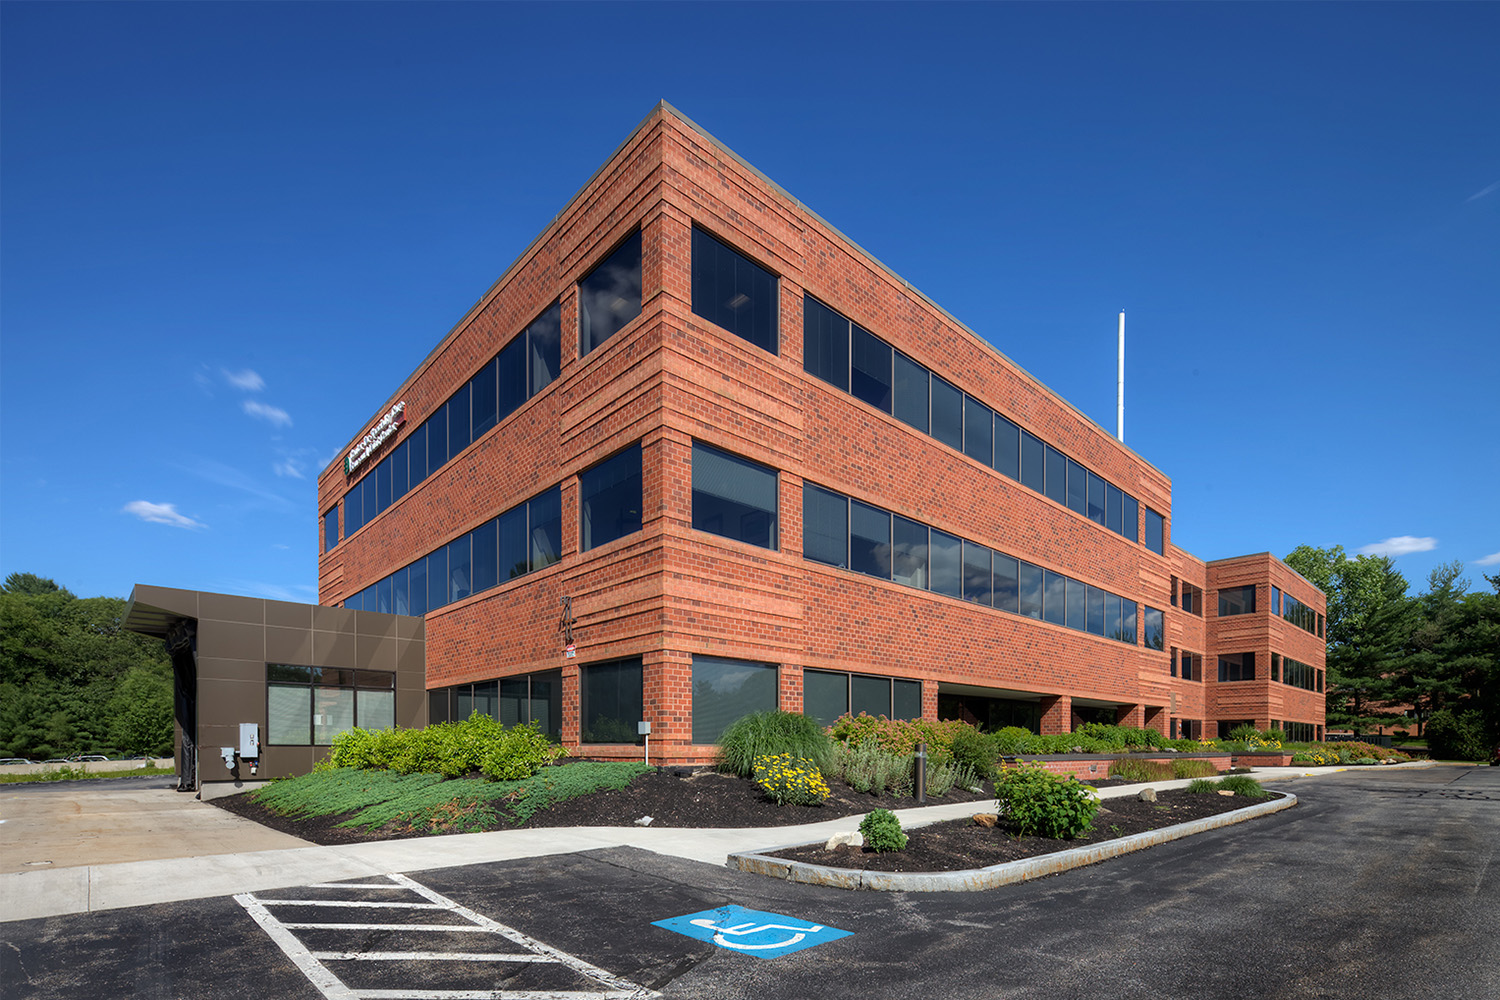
(249, 741)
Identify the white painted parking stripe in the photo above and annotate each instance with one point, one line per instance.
(576, 964)
(389, 927)
(425, 956)
(327, 983)
(356, 885)
(392, 904)
(636, 994)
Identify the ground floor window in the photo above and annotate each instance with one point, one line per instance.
(1227, 726)
(724, 690)
(990, 714)
(612, 700)
(1299, 732)
(309, 706)
(509, 700)
(828, 694)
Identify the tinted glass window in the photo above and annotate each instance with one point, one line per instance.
(1096, 610)
(544, 349)
(825, 526)
(610, 297)
(1007, 583)
(1078, 617)
(482, 400)
(611, 701)
(946, 565)
(1007, 448)
(1096, 499)
(416, 458)
(1132, 517)
(1155, 531)
(947, 414)
(825, 343)
(484, 555)
(399, 465)
(1031, 591)
(437, 440)
(510, 367)
(733, 291)
(871, 376)
(400, 592)
(1236, 601)
(909, 552)
(330, 528)
(871, 695)
(609, 499)
(437, 579)
(459, 427)
(1112, 624)
(906, 699)
(514, 552)
(1127, 621)
(1114, 508)
(1275, 608)
(383, 596)
(1078, 488)
(1057, 475)
(869, 540)
(382, 477)
(1055, 597)
(545, 515)
(733, 497)
(460, 584)
(825, 695)
(979, 431)
(417, 586)
(978, 581)
(725, 690)
(1033, 462)
(911, 393)
(1155, 629)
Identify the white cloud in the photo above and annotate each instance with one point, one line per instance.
(1399, 546)
(248, 380)
(1493, 559)
(1482, 192)
(160, 513)
(273, 415)
(300, 593)
(289, 469)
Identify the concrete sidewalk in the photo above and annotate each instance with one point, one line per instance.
(50, 891)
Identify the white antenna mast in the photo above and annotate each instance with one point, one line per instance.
(1120, 387)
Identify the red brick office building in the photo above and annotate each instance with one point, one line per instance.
(741, 465)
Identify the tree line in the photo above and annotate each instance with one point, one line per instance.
(1428, 660)
(73, 680)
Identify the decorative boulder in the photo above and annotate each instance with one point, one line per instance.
(851, 838)
(1225, 791)
(987, 819)
(1146, 795)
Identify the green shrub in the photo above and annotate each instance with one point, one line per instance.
(898, 736)
(882, 831)
(1012, 740)
(976, 751)
(1193, 768)
(942, 778)
(1134, 769)
(867, 768)
(766, 734)
(1273, 736)
(1239, 784)
(1458, 736)
(1367, 760)
(789, 780)
(518, 752)
(1243, 733)
(1037, 803)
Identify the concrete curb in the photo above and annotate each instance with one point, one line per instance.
(1008, 873)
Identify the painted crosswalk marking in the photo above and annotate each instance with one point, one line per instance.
(319, 966)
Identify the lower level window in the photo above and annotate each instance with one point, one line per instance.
(309, 706)
(826, 695)
(1237, 667)
(612, 700)
(724, 690)
(510, 700)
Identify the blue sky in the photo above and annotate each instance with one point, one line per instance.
(227, 233)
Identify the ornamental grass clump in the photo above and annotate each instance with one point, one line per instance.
(1239, 784)
(882, 831)
(769, 733)
(868, 769)
(1037, 803)
(790, 781)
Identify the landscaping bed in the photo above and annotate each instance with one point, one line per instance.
(960, 845)
(672, 797)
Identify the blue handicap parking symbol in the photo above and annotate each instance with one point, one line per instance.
(754, 932)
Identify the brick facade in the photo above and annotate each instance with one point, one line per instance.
(668, 592)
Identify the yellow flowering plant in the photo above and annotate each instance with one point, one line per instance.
(790, 780)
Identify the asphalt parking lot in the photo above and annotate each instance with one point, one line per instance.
(1379, 883)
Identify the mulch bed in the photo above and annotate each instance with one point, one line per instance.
(963, 844)
(673, 797)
